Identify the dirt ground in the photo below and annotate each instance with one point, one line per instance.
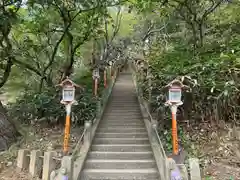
(218, 151)
(37, 138)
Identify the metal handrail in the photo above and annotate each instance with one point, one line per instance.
(162, 158)
(156, 132)
(105, 96)
(151, 120)
(78, 145)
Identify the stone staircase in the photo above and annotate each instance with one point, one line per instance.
(121, 148)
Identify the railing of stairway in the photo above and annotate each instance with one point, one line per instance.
(84, 141)
(101, 105)
(162, 159)
(52, 167)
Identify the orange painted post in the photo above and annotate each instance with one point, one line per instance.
(174, 100)
(68, 99)
(96, 87)
(66, 134)
(67, 129)
(174, 134)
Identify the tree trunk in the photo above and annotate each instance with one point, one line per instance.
(8, 131)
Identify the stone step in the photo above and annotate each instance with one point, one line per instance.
(123, 107)
(121, 147)
(102, 125)
(131, 105)
(121, 123)
(122, 116)
(120, 174)
(121, 135)
(126, 106)
(119, 164)
(120, 155)
(121, 141)
(123, 112)
(126, 110)
(117, 130)
(123, 101)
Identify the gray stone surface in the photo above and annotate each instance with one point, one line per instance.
(49, 164)
(121, 148)
(23, 159)
(194, 168)
(36, 162)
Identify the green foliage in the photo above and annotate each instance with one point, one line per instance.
(200, 47)
(166, 136)
(46, 105)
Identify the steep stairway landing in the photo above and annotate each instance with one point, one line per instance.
(120, 148)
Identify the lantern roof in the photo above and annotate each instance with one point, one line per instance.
(175, 83)
(68, 81)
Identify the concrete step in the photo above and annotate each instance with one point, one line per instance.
(121, 123)
(127, 111)
(120, 155)
(122, 119)
(121, 141)
(117, 130)
(132, 106)
(121, 147)
(124, 112)
(120, 174)
(124, 104)
(102, 125)
(122, 116)
(121, 135)
(119, 164)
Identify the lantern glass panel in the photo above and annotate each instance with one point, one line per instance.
(175, 95)
(68, 94)
(96, 73)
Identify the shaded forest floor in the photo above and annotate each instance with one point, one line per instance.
(45, 139)
(219, 151)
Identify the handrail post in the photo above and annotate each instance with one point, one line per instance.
(88, 134)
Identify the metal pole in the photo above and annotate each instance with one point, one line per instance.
(174, 130)
(67, 129)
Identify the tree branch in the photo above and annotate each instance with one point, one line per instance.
(6, 73)
(154, 31)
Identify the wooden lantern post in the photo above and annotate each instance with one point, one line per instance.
(105, 77)
(68, 99)
(96, 78)
(174, 100)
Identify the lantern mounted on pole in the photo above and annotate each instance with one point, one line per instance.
(96, 73)
(174, 100)
(175, 93)
(68, 91)
(68, 99)
(110, 63)
(105, 77)
(96, 77)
